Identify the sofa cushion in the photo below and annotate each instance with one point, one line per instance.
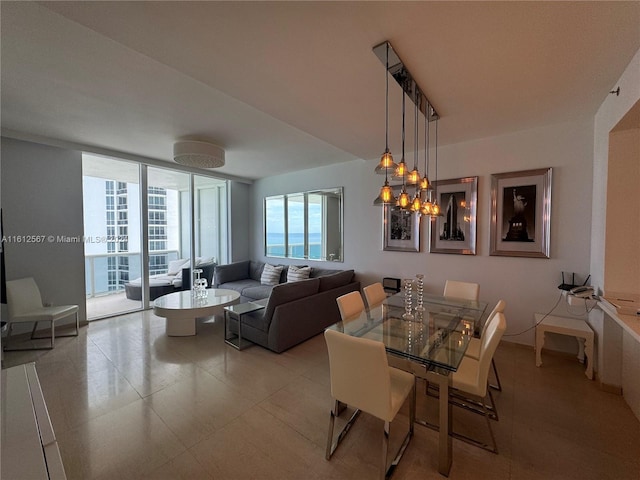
(204, 261)
(239, 285)
(176, 266)
(283, 275)
(296, 274)
(288, 292)
(329, 282)
(231, 272)
(255, 270)
(271, 274)
(322, 272)
(257, 292)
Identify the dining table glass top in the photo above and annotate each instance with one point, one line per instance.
(436, 337)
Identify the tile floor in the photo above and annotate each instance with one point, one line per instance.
(127, 402)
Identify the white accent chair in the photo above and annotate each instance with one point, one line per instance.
(466, 290)
(362, 378)
(25, 305)
(350, 305)
(471, 378)
(374, 294)
(473, 350)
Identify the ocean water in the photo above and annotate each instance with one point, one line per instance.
(275, 245)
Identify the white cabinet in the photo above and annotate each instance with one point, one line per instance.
(29, 446)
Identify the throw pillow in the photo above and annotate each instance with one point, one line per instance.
(271, 274)
(295, 273)
(176, 266)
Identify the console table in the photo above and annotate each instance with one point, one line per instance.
(29, 445)
(566, 326)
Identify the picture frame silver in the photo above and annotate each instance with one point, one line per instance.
(401, 228)
(521, 213)
(455, 231)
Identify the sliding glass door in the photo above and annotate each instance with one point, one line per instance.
(185, 213)
(111, 206)
(169, 229)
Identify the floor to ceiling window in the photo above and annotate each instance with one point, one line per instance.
(115, 279)
(111, 206)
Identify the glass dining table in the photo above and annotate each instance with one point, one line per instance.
(429, 343)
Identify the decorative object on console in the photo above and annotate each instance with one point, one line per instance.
(455, 231)
(199, 288)
(521, 213)
(419, 292)
(198, 154)
(408, 299)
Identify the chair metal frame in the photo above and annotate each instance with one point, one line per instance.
(32, 316)
(339, 407)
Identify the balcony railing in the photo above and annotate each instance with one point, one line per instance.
(98, 281)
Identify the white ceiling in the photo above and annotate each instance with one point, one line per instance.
(293, 85)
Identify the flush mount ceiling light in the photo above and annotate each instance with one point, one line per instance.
(192, 153)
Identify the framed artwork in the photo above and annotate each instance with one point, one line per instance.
(455, 231)
(401, 228)
(521, 213)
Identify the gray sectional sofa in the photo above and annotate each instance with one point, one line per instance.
(294, 312)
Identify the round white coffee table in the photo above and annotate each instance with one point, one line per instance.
(181, 308)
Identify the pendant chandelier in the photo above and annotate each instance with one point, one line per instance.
(404, 200)
(435, 208)
(386, 196)
(413, 178)
(421, 202)
(425, 185)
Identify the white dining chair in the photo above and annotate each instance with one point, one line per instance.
(350, 305)
(362, 378)
(25, 305)
(466, 290)
(473, 350)
(471, 379)
(374, 294)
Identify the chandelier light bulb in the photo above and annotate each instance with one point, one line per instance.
(413, 177)
(404, 199)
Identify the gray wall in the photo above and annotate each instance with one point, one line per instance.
(528, 285)
(42, 195)
(239, 221)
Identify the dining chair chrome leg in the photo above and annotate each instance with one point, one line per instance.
(493, 448)
(387, 472)
(331, 447)
(385, 450)
(493, 411)
(493, 438)
(332, 420)
(497, 386)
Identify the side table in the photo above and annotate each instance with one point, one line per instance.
(236, 312)
(566, 326)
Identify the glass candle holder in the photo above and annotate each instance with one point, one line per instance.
(408, 299)
(419, 292)
(195, 283)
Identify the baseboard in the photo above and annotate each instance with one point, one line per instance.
(605, 387)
